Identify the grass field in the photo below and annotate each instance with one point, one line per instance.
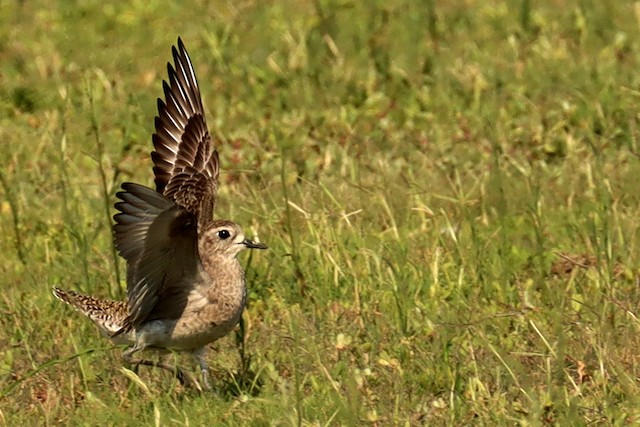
(449, 191)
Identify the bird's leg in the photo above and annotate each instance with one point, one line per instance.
(128, 353)
(204, 368)
(175, 370)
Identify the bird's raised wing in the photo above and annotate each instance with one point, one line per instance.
(185, 162)
(159, 241)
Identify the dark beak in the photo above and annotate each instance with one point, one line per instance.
(253, 245)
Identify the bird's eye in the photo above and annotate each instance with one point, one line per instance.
(224, 234)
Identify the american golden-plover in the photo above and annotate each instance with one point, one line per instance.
(185, 286)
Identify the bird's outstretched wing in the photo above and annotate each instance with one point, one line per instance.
(185, 162)
(159, 241)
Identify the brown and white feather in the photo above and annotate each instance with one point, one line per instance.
(106, 314)
(186, 165)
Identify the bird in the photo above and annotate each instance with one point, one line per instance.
(185, 285)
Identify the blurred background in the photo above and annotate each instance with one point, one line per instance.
(449, 191)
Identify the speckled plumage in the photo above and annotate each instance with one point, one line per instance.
(108, 315)
(185, 286)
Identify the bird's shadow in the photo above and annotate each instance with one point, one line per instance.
(233, 384)
(244, 381)
(240, 383)
(226, 384)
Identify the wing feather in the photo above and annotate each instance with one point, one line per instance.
(184, 157)
(159, 241)
(156, 231)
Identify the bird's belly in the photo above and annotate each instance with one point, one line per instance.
(194, 329)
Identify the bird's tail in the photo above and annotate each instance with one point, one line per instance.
(108, 315)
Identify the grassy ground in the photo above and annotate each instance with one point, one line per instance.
(449, 191)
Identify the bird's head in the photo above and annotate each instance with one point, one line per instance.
(226, 238)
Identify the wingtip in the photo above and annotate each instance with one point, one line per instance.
(181, 48)
(166, 88)
(125, 186)
(176, 55)
(181, 56)
(171, 72)
(161, 107)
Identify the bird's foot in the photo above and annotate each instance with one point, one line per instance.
(205, 380)
(175, 370)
